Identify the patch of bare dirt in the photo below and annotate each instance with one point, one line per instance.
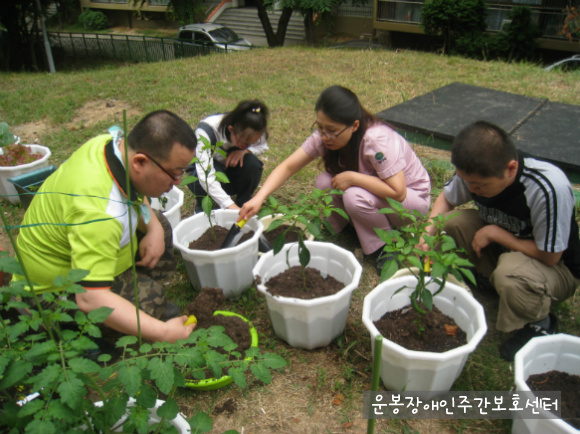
(89, 114)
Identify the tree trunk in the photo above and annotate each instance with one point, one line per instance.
(309, 26)
(274, 39)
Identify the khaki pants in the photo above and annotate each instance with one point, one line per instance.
(526, 287)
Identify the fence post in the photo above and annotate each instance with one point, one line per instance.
(98, 44)
(146, 51)
(127, 44)
(72, 43)
(163, 48)
(85, 44)
(113, 45)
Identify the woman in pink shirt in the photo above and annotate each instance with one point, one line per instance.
(364, 158)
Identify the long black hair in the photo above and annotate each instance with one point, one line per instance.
(343, 106)
(247, 114)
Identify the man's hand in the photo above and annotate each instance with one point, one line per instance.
(485, 236)
(151, 248)
(176, 329)
(236, 158)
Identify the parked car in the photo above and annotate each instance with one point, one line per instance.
(198, 39)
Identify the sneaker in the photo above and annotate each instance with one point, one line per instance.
(383, 258)
(510, 347)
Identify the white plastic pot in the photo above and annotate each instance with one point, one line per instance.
(172, 209)
(423, 371)
(229, 269)
(179, 422)
(560, 352)
(310, 323)
(7, 189)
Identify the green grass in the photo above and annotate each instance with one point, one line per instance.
(288, 80)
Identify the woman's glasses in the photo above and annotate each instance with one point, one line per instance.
(315, 128)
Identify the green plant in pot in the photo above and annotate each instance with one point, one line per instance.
(310, 316)
(433, 265)
(307, 214)
(207, 201)
(49, 353)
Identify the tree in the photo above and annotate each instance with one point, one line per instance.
(520, 34)
(274, 39)
(452, 19)
(21, 45)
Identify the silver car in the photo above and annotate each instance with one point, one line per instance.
(198, 39)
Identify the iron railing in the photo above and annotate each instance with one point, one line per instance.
(131, 48)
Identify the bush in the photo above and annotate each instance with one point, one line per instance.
(453, 19)
(93, 20)
(520, 35)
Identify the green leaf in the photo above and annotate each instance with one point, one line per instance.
(222, 177)
(39, 426)
(83, 366)
(15, 373)
(188, 180)
(100, 314)
(147, 396)
(303, 254)
(71, 390)
(427, 298)
(130, 377)
(10, 265)
(415, 261)
(162, 374)
(201, 423)
(389, 269)
(239, 376)
(273, 361)
(168, 410)
(31, 407)
(77, 275)
(126, 341)
(261, 373)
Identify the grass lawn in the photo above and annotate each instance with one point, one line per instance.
(321, 390)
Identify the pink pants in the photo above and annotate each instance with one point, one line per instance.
(362, 208)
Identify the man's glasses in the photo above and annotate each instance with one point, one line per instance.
(171, 175)
(315, 128)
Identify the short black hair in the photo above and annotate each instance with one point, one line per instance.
(158, 131)
(483, 149)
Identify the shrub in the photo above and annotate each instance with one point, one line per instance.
(520, 35)
(93, 20)
(453, 19)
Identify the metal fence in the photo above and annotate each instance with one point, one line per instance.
(129, 47)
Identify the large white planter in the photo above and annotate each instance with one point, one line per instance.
(229, 269)
(179, 422)
(560, 352)
(172, 209)
(423, 371)
(310, 323)
(7, 189)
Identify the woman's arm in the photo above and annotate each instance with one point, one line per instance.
(393, 187)
(296, 161)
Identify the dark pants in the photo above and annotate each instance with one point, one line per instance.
(243, 181)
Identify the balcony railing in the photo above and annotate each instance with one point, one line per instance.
(549, 15)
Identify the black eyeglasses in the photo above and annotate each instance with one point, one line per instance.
(315, 128)
(172, 176)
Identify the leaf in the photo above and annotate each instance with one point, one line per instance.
(162, 373)
(261, 373)
(303, 254)
(389, 269)
(39, 426)
(222, 177)
(427, 299)
(273, 361)
(200, 423)
(10, 265)
(77, 275)
(451, 330)
(83, 366)
(239, 376)
(130, 377)
(168, 410)
(147, 396)
(31, 407)
(99, 315)
(71, 390)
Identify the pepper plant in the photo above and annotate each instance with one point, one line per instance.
(433, 265)
(207, 201)
(308, 214)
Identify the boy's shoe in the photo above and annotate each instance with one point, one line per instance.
(521, 337)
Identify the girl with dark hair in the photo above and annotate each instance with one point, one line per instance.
(364, 158)
(243, 133)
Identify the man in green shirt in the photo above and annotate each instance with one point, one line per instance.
(88, 227)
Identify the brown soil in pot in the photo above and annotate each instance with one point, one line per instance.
(568, 384)
(208, 243)
(441, 332)
(291, 236)
(290, 284)
(206, 303)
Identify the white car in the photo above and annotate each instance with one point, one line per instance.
(197, 39)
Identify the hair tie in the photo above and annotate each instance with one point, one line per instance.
(256, 110)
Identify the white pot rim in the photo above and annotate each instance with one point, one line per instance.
(45, 151)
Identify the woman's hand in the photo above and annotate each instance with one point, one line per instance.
(344, 180)
(236, 158)
(250, 208)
